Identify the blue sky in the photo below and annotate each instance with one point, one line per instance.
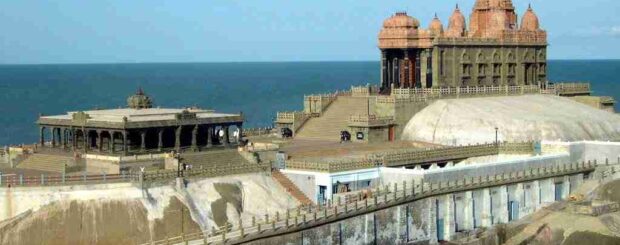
(108, 31)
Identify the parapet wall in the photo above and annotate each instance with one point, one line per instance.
(584, 150)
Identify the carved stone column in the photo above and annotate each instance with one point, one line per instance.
(194, 134)
(405, 71)
(384, 75)
(177, 141)
(99, 141)
(73, 139)
(209, 136)
(143, 140)
(85, 139)
(61, 137)
(111, 143)
(53, 131)
(226, 134)
(42, 136)
(395, 76)
(160, 141)
(125, 150)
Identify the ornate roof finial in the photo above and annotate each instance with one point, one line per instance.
(139, 100)
(457, 6)
(436, 16)
(529, 6)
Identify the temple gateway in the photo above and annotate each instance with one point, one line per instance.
(139, 128)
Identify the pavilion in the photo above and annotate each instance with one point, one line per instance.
(139, 128)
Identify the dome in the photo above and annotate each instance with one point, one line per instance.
(530, 21)
(401, 20)
(456, 25)
(436, 27)
(139, 100)
(472, 120)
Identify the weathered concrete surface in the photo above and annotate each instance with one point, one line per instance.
(541, 117)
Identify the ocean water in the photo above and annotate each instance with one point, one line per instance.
(259, 90)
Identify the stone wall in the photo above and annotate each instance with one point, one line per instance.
(459, 65)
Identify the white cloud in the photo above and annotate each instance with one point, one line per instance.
(615, 31)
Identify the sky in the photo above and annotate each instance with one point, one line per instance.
(121, 31)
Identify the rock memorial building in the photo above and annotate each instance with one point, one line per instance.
(139, 128)
(493, 50)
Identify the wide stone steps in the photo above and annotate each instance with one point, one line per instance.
(290, 187)
(220, 158)
(334, 119)
(44, 162)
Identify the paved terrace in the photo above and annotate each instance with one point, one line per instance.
(362, 156)
(310, 149)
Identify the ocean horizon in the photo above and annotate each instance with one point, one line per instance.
(258, 89)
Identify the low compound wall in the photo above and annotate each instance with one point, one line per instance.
(584, 150)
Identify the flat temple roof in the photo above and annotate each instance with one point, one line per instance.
(141, 117)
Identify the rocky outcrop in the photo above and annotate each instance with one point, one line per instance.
(97, 222)
(125, 214)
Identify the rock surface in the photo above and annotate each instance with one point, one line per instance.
(125, 214)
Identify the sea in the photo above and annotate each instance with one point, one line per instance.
(259, 90)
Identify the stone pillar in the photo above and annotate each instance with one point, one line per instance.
(485, 204)
(177, 140)
(566, 189)
(143, 140)
(99, 141)
(226, 134)
(384, 81)
(73, 139)
(575, 181)
(531, 193)
(62, 137)
(194, 135)
(395, 73)
(42, 136)
(388, 72)
(111, 143)
(518, 197)
(423, 67)
(547, 191)
(449, 220)
(53, 131)
(125, 147)
(209, 136)
(160, 141)
(86, 139)
(432, 219)
(468, 211)
(502, 212)
(406, 72)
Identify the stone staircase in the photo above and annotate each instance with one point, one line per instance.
(218, 158)
(334, 120)
(46, 162)
(290, 187)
